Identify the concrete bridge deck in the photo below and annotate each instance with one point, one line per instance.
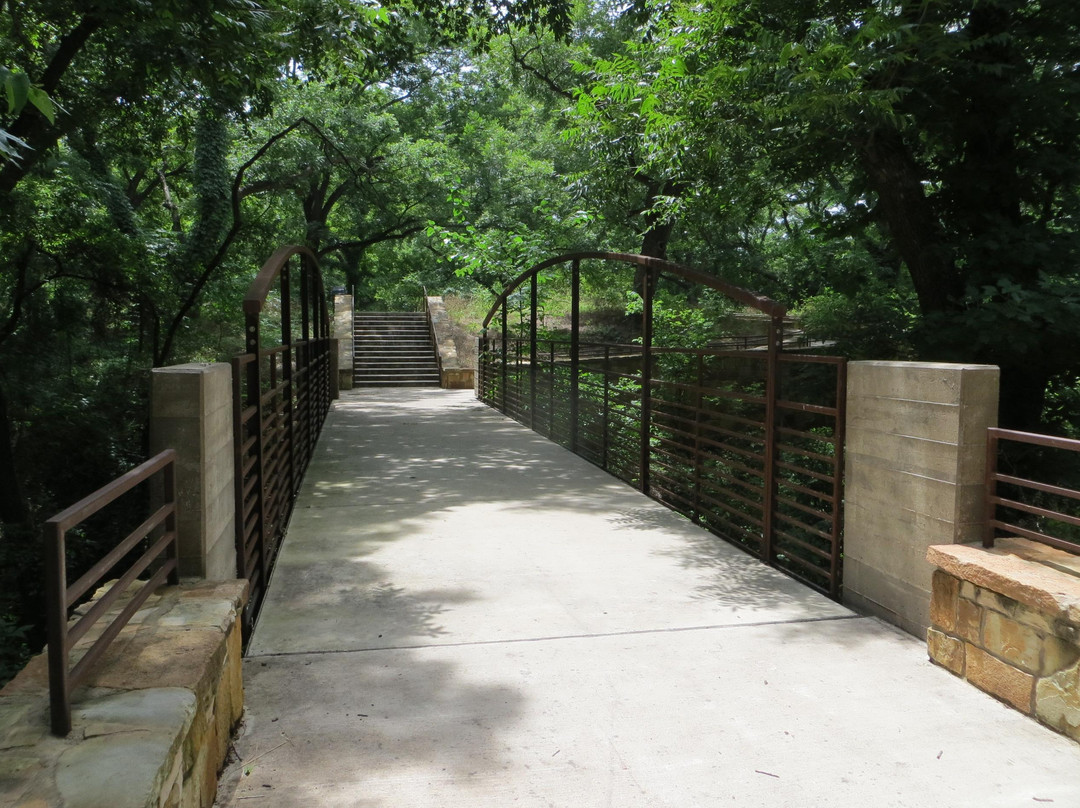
(464, 614)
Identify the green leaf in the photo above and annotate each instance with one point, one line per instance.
(18, 89)
(40, 99)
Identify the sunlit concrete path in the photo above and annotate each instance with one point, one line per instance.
(464, 614)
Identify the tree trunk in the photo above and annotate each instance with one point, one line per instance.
(911, 221)
(654, 242)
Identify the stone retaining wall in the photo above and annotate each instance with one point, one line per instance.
(343, 334)
(1007, 619)
(453, 375)
(151, 727)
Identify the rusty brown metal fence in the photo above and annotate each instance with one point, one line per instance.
(281, 393)
(159, 558)
(1031, 509)
(748, 443)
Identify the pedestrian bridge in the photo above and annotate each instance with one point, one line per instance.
(613, 578)
(463, 613)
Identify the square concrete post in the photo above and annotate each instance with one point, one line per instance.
(335, 365)
(191, 412)
(914, 476)
(343, 333)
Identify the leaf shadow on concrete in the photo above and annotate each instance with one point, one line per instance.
(358, 670)
(732, 577)
(338, 729)
(436, 458)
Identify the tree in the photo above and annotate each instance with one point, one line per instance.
(946, 128)
(137, 196)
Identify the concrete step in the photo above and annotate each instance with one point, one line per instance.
(390, 349)
(419, 333)
(359, 384)
(391, 332)
(420, 367)
(427, 359)
(424, 361)
(382, 380)
(393, 349)
(385, 340)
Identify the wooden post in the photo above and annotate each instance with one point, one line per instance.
(56, 597)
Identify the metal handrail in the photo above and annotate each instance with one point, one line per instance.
(746, 297)
(432, 333)
(580, 394)
(994, 502)
(281, 395)
(61, 597)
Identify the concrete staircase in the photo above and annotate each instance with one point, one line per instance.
(393, 349)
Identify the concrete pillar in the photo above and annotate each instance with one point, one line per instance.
(343, 333)
(191, 412)
(915, 464)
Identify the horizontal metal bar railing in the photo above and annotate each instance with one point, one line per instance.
(708, 442)
(1045, 517)
(703, 429)
(281, 393)
(63, 678)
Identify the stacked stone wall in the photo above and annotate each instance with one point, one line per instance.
(343, 334)
(453, 375)
(151, 727)
(1008, 621)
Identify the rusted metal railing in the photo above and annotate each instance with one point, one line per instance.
(706, 431)
(1041, 509)
(281, 395)
(61, 597)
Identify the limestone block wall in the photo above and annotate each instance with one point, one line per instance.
(151, 727)
(191, 410)
(452, 374)
(1008, 621)
(914, 465)
(343, 333)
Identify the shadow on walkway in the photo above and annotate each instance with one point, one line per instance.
(464, 614)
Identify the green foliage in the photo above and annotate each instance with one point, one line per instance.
(873, 323)
(210, 187)
(680, 324)
(937, 141)
(19, 91)
(151, 157)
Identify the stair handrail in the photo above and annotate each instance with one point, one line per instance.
(434, 335)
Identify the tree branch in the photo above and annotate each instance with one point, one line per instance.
(279, 184)
(31, 126)
(545, 79)
(170, 205)
(161, 356)
(389, 234)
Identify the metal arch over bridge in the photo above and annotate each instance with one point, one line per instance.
(747, 443)
(281, 395)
